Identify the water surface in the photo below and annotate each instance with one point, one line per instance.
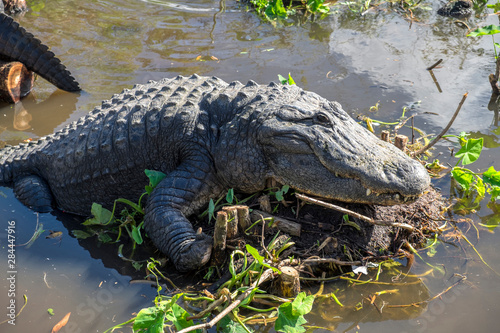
(358, 61)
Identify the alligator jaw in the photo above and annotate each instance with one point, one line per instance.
(340, 159)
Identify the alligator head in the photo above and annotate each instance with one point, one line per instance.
(314, 146)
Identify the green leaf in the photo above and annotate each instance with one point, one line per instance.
(80, 234)
(470, 151)
(288, 322)
(155, 177)
(136, 234)
(178, 317)
(463, 176)
(487, 30)
(50, 311)
(211, 210)
(279, 196)
(302, 304)
(491, 176)
(285, 188)
(149, 320)
(230, 196)
(102, 216)
(480, 188)
(318, 6)
(494, 191)
(260, 259)
(137, 265)
(285, 81)
(282, 79)
(276, 9)
(495, 7)
(104, 238)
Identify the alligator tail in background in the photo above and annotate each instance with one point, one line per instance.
(16, 44)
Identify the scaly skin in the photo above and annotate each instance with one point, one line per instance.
(207, 136)
(16, 44)
(459, 9)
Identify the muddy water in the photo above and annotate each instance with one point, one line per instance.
(358, 61)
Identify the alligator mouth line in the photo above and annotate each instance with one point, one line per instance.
(393, 196)
(398, 197)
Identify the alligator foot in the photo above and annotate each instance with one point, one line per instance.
(193, 254)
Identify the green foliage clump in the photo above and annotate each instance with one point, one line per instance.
(275, 9)
(473, 186)
(166, 312)
(472, 182)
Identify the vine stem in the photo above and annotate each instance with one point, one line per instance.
(266, 275)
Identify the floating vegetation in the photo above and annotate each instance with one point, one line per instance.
(301, 10)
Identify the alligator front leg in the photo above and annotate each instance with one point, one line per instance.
(178, 195)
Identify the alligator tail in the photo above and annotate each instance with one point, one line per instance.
(16, 44)
(6, 159)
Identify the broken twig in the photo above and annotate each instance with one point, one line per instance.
(354, 214)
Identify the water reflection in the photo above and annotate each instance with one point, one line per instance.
(30, 118)
(362, 305)
(494, 105)
(109, 45)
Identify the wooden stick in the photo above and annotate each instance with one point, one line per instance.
(401, 141)
(288, 283)
(287, 226)
(443, 132)
(268, 274)
(220, 235)
(384, 135)
(243, 217)
(435, 81)
(354, 214)
(232, 221)
(434, 66)
(318, 261)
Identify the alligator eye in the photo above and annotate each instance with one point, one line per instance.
(322, 118)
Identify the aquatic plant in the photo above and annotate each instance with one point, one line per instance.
(275, 9)
(491, 29)
(473, 186)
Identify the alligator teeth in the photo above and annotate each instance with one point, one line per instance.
(368, 192)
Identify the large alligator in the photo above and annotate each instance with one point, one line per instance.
(16, 44)
(207, 136)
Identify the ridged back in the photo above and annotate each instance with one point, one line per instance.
(16, 44)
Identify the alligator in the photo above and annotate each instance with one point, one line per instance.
(207, 136)
(16, 44)
(460, 9)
